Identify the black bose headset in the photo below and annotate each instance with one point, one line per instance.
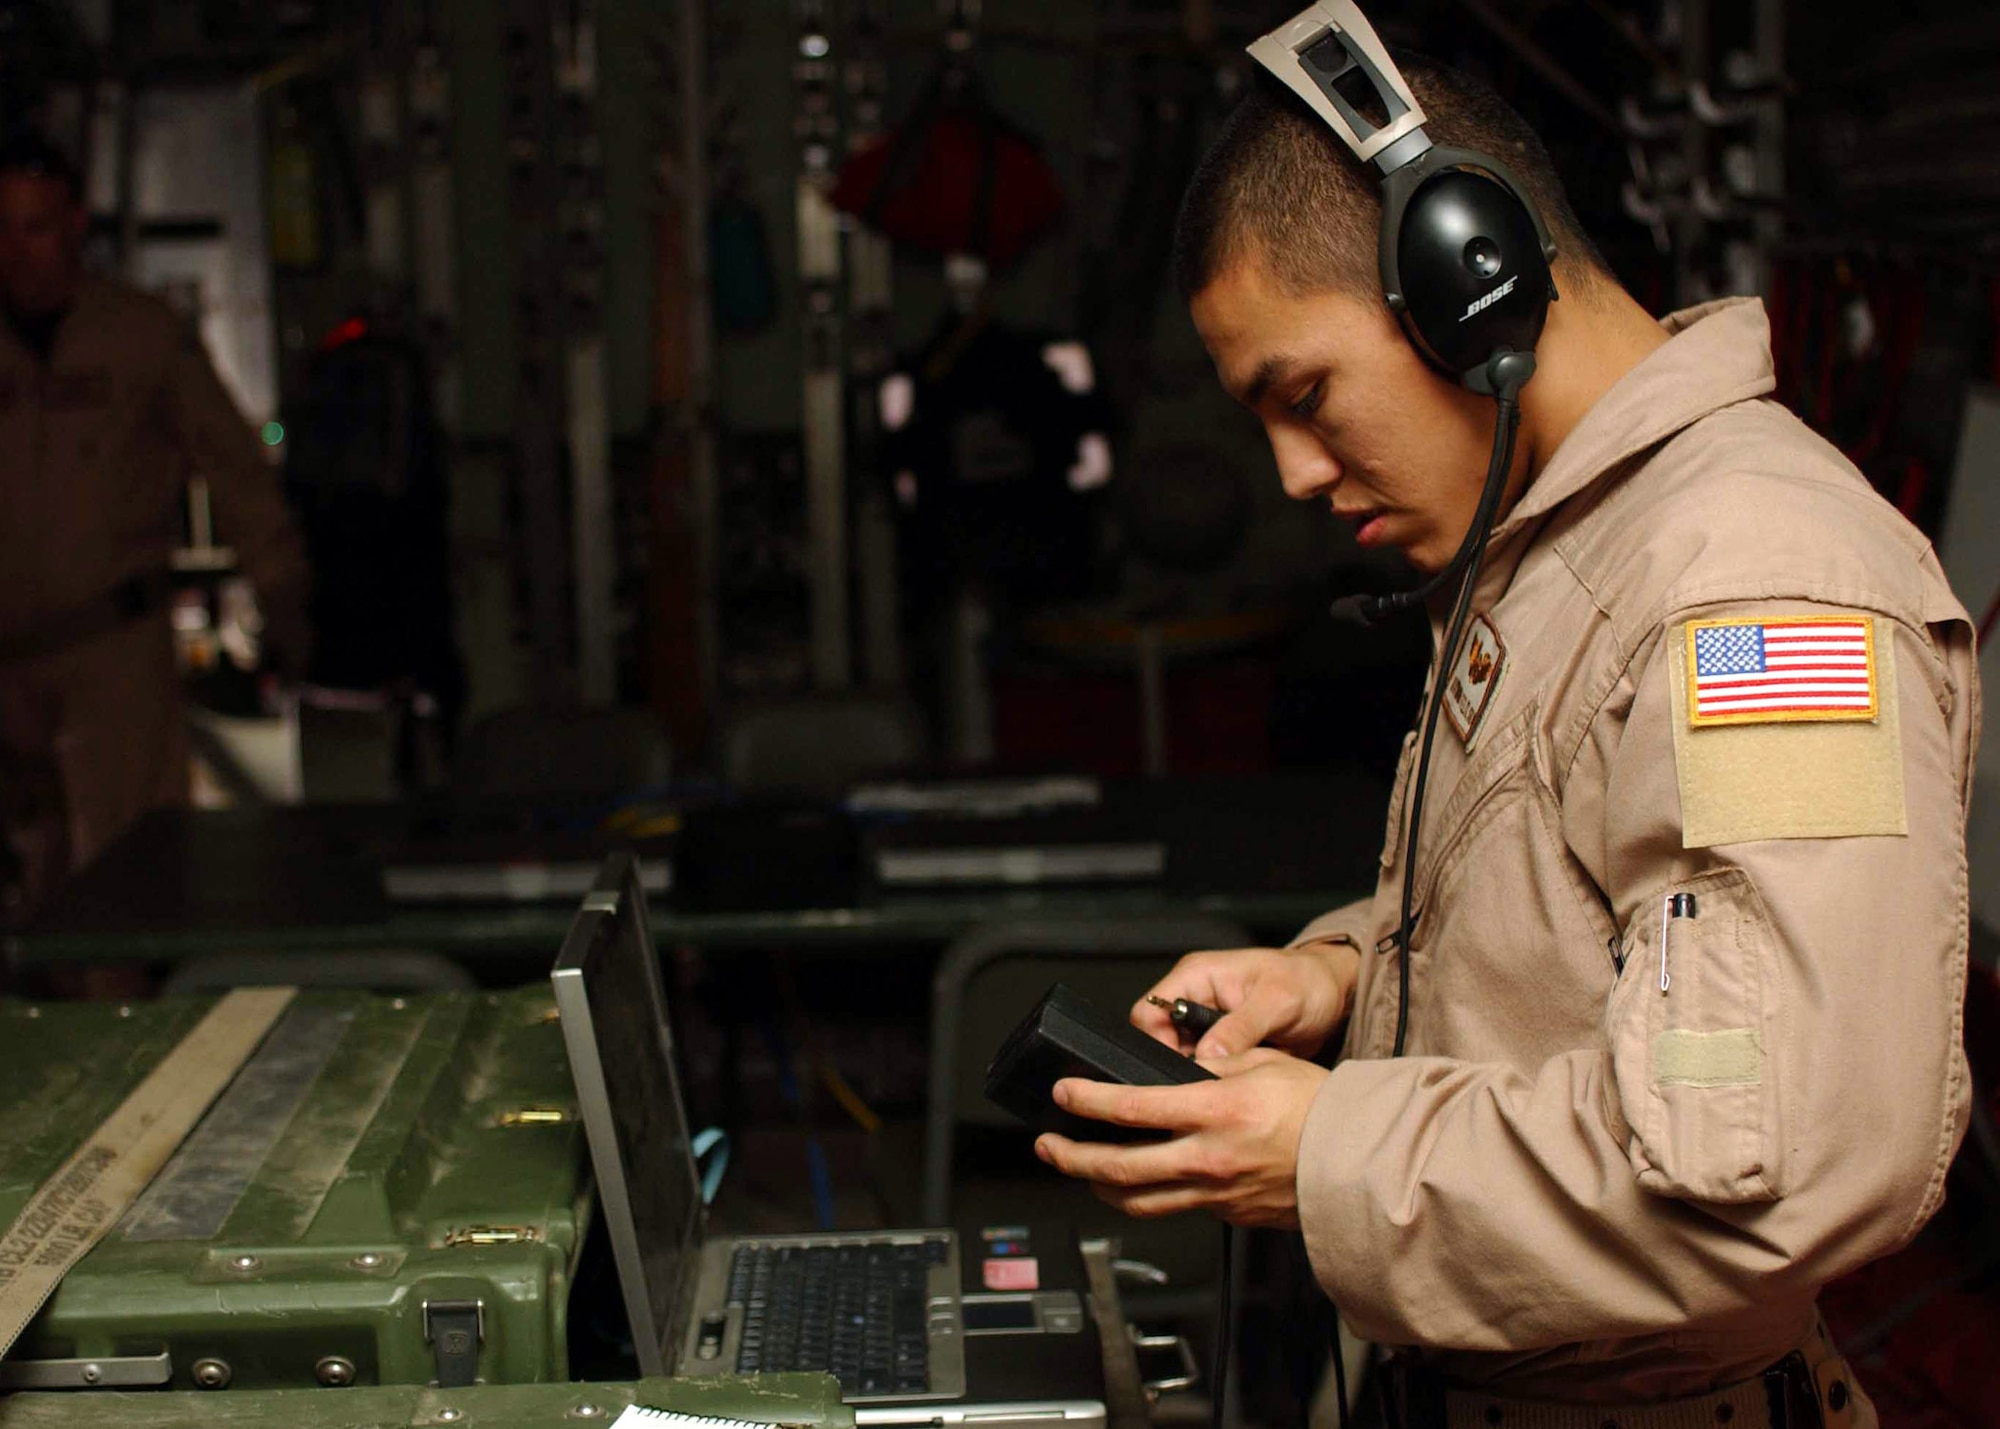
(1464, 255)
(1465, 261)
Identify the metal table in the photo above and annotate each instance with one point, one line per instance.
(1270, 854)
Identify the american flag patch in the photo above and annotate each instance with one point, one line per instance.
(1773, 671)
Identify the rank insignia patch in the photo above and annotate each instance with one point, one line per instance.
(1781, 671)
(1475, 674)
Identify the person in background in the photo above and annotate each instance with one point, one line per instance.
(108, 405)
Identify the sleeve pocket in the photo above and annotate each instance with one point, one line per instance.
(1695, 1062)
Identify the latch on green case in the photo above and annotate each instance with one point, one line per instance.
(454, 1330)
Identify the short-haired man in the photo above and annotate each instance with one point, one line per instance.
(108, 404)
(1689, 951)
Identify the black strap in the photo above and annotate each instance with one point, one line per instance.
(979, 234)
(906, 147)
(1413, 1395)
(952, 88)
(1793, 1394)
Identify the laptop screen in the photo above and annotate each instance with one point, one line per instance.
(608, 992)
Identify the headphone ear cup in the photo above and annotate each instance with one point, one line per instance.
(1471, 272)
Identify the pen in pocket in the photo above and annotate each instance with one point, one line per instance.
(1678, 905)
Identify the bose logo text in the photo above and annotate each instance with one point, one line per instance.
(1480, 305)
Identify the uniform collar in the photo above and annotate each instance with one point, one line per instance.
(1718, 354)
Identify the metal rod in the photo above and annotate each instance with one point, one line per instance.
(1770, 168)
(823, 400)
(1544, 64)
(596, 553)
(1690, 226)
(698, 411)
(1152, 658)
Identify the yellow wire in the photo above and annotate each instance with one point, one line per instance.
(849, 1098)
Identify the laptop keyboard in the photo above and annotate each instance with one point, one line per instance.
(854, 1310)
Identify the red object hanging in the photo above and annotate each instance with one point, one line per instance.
(960, 172)
(352, 330)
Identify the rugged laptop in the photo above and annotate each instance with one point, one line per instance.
(885, 1311)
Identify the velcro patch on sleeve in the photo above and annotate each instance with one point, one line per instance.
(1797, 757)
(1732, 1057)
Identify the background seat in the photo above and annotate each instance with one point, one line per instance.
(821, 744)
(532, 751)
(990, 978)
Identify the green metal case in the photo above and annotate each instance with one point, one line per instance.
(391, 1191)
(811, 1401)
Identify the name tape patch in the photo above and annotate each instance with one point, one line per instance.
(1811, 668)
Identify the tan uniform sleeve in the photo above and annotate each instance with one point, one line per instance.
(1349, 923)
(1797, 1125)
(250, 511)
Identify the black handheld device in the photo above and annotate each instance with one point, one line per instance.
(1069, 1036)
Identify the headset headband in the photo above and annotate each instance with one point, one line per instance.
(1326, 42)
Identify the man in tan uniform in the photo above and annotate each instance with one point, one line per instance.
(108, 404)
(1690, 942)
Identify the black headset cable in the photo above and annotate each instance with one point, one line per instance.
(1510, 374)
(1506, 425)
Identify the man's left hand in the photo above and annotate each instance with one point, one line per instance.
(1235, 1145)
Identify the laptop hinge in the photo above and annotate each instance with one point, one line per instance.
(454, 1330)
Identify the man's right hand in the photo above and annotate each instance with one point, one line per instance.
(1289, 998)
